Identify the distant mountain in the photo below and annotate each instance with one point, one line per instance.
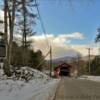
(63, 59)
(69, 59)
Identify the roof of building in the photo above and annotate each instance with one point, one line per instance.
(62, 65)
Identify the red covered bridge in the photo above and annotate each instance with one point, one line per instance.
(63, 69)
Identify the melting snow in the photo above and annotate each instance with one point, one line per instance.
(92, 78)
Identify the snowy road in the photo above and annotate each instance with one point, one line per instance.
(77, 89)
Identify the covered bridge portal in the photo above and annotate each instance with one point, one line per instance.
(63, 70)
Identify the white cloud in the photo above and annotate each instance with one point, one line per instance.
(60, 38)
(59, 46)
(76, 35)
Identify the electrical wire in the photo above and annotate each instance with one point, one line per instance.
(42, 24)
(44, 32)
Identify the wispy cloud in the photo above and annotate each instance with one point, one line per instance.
(60, 38)
(76, 35)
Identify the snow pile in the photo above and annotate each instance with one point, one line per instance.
(27, 73)
(1, 70)
(83, 77)
(1, 73)
(38, 87)
(46, 92)
(92, 78)
(24, 73)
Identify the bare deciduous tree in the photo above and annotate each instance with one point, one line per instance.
(9, 14)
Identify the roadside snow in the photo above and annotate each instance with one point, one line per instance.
(92, 78)
(40, 87)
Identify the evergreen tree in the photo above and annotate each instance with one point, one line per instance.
(26, 22)
(37, 60)
(95, 66)
(98, 35)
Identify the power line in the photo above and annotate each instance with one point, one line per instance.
(44, 32)
(42, 23)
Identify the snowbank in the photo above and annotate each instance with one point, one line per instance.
(40, 87)
(92, 78)
(47, 92)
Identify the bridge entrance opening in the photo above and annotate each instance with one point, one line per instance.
(64, 71)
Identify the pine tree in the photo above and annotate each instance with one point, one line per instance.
(98, 36)
(25, 10)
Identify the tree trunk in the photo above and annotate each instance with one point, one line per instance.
(24, 32)
(8, 42)
(6, 64)
(11, 27)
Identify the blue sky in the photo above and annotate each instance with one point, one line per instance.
(63, 17)
(71, 27)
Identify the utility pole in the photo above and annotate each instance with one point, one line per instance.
(78, 60)
(50, 61)
(89, 60)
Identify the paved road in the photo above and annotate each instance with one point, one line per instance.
(77, 89)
